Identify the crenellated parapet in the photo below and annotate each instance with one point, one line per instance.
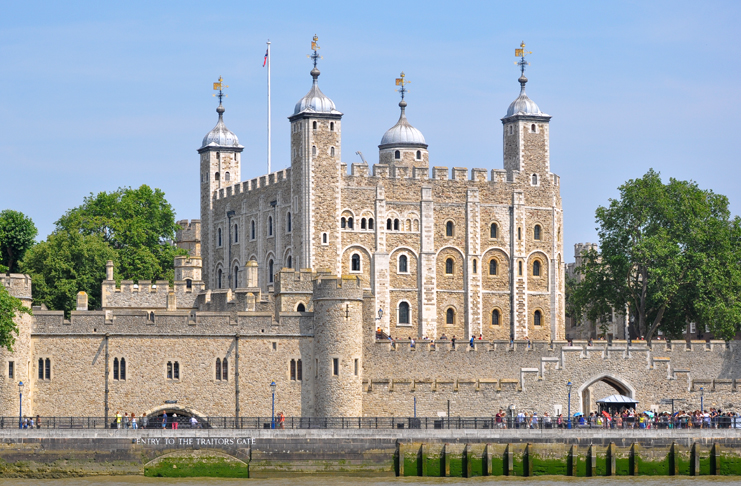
(18, 285)
(255, 184)
(386, 171)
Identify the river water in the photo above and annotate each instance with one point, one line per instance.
(355, 481)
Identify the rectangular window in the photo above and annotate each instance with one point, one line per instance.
(11, 369)
(299, 371)
(356, 367)
(335, 366)
(275, 346)
(316, 368)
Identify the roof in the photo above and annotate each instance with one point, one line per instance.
(617, 399)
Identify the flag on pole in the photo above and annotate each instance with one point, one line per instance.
(264, 61)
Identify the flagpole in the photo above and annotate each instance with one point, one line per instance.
(269, 141)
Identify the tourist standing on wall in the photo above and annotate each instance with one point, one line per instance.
(118, 420)
(164, 420)
(145, 421)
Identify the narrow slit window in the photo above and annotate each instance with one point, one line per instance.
(270, 226)
(336, 366)
(299, 371)
(536, 232)
(492, 267)
(357, 366)
(270, 271)
(236, 233)
(288, 222)
(176, 370)
(48, 369)
(495, 317)
(169, 370)
(362, 224)
(252, 230)
(449, 266)
(493, 230)
(370, 223)
(225, 370)
(313, 125)
(519, 268)
(403, 264)
(293, 370)
(41, 368)
(331, 126)
(536, 268)
(11, 369)
(388, 224)
(115, 368)
(218, 369)
(218, 237)
(289, 262)
(236, 277)
(218, 278)
(449, 228)
(396, 225)
(475, 270)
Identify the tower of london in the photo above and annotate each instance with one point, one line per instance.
(319, 276)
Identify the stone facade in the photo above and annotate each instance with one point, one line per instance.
(290, 275)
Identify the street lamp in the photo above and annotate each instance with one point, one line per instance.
(20, 408)
(568, 387)
(272, 415)
(702, 399)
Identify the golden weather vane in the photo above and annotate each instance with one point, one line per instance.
(220, 87)
(521, 53)
(402, 82)
(314, 47)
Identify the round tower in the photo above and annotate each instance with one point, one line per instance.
(338, 346)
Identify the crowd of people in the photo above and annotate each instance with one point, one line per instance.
(131, 421)
(628, 418)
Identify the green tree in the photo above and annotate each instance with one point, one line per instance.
(671, 253)
(10, 308)
(17, 233)
(64, 264)
(137, 223)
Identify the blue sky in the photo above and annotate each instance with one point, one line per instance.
(97, 95)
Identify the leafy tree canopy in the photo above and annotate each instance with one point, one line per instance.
(670, 253)
(67, 263)
(17, 233)
(136, 223)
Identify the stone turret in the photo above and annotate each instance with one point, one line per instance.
(338, 346)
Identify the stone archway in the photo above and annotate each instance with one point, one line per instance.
(616, 383)
(156, 414)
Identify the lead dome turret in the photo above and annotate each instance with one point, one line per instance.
(403, 145)
(220, 136)
(523, 105)
(315, 101)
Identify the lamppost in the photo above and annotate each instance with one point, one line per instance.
(702, 399)
(20, 408)
(568, 387)
(272, 415)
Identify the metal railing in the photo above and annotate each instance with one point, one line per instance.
(516, 423)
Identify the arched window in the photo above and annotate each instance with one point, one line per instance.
(492, 267)
(299, 370)
(236, 276)
(218, 279)
(397, 155)
(403, 264)
(218, 368)
(388, 224)
(313, 150)
(532, 128)
(370, 223)
(519, 268)
(188, 284)
(252, 230)
(537, 317)
(293, 370)
(288, 222)
(169, 370)
(449, 266)
(362, 223)
(396, 225)
(151, 316)
(495, 317)
(225, 370)
(41, 368)
(475, 270)
(236, 233)
(218, 237)
(217, 176)
(403, 313)
(536, 268)
(536, 232)
(355, 262)
(349, 223)
(331, 151)
(535, 179)
(331, 126)
(449, 228)
(289, 262)
(343, 223)
(493, 230)
(227, 177)
(450, 316)
(300, 307)
(115, 368)
(313, 125)
(176, 371)
(270, 271)
(270, 226)
(324, 238)
(123, 369)
(419, 154)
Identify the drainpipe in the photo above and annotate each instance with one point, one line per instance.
(106, 380)
(236, 380)
(229, 215)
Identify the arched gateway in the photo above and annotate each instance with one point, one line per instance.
(598, 385)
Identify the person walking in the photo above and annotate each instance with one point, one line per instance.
(281, 420)
(118, 420)
(145, 421)
(164, 420)
(133, 420)
(174, 421)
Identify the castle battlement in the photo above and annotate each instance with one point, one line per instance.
(440, 173)
(253, 184)
(332, 287)
(17, 284)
